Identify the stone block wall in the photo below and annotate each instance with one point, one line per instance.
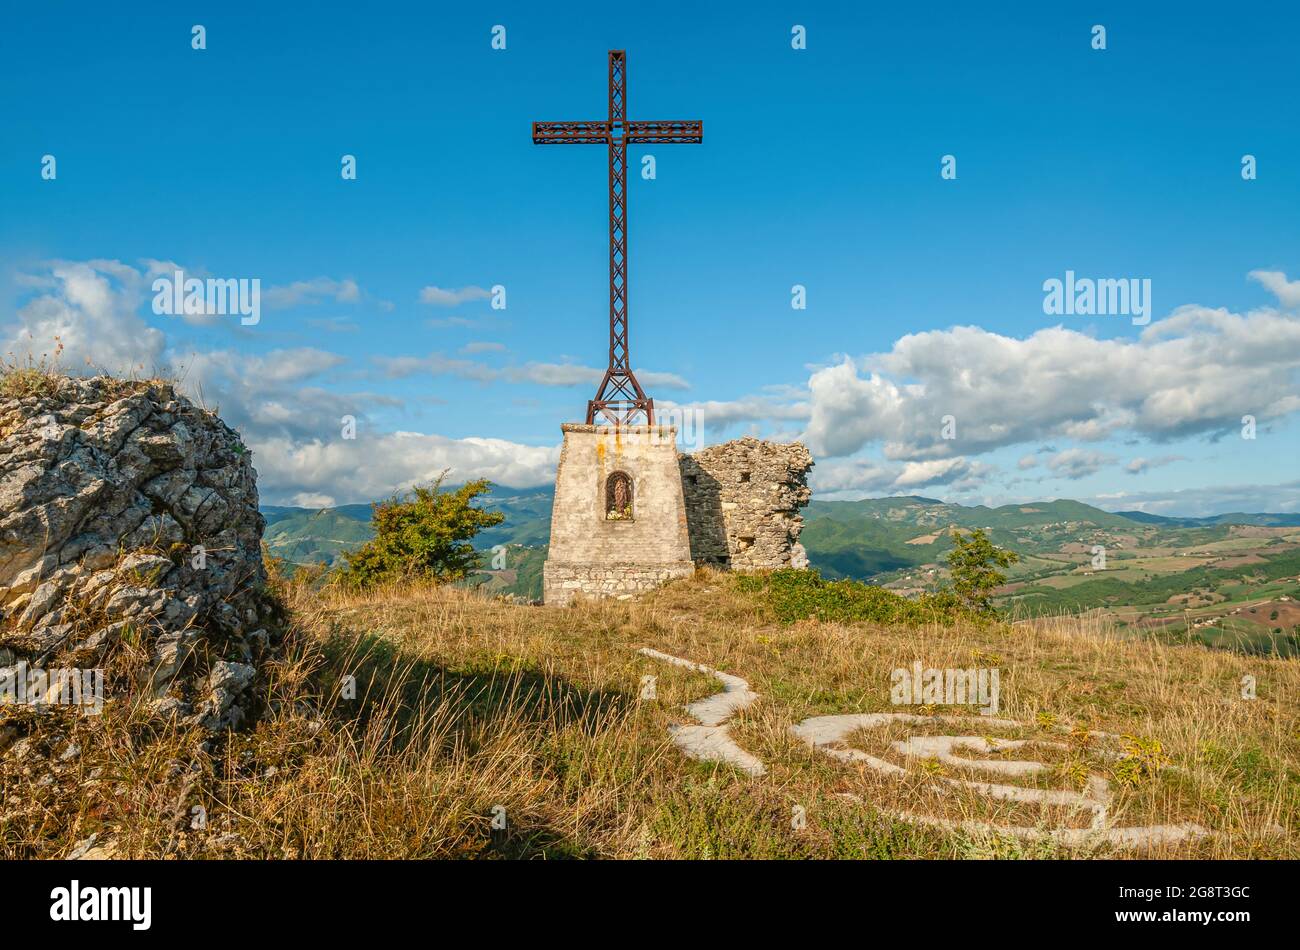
(742, 503)
(597, 556)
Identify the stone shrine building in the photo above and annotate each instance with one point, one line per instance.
(631, 512)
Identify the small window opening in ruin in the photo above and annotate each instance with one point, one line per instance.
(618, 497)
(744, 476)
(744, 544)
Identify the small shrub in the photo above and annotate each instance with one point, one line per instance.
(974, 562)
(425, 535)
(1143, 759)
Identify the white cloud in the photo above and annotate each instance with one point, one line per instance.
(853, 475)
(308, 499)
(859, 476)
(375, 465)
(289, 421)
(483, 346)
(932, 472)
(439, 297)
(1078, 463)
(91, 309)
(1286, 291)
(718, 415)
(305, 292)
(1196, 372)
(1140, 464)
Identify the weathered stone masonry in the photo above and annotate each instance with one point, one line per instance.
(742, 503)
(733, 506)
(601, 552)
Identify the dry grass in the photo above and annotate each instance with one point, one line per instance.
(466, 706)
(28, 376)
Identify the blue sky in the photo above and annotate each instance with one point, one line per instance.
(820, 167)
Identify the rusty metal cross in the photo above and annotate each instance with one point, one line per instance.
(620, 398)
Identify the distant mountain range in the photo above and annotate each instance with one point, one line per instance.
(859, 539)
(1236, 517)
(1228, 580)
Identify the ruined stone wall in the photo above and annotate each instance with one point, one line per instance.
(742, 503)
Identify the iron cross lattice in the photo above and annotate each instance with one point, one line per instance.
(620, 398)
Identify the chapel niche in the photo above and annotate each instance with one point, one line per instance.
(618, 497)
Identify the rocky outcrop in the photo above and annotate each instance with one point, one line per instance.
(742, 504)
(129, 515)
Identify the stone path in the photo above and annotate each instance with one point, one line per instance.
(827, 734)
(711, 741)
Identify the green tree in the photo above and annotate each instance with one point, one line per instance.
(974, 562)
(422, 535)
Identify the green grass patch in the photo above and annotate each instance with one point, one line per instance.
(794, 595)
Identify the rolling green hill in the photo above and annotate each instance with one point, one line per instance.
(864, 539)
(1212, 575)
(311, 536)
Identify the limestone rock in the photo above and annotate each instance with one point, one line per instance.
(127, 511)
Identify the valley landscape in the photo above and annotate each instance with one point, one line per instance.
(1230, 581)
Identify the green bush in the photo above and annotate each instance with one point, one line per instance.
(974, 562)
(424, 535)
(801, 595)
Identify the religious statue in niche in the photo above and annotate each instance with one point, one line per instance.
(618, 497)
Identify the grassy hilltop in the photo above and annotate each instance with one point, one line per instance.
(468, 707)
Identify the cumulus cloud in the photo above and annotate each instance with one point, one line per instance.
(276, 395)
(278, 399)
(440, 297)
(91, 309)
(376, 464)
(718, 415)
(860, 476)
(932, 472)
(1196, 372)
